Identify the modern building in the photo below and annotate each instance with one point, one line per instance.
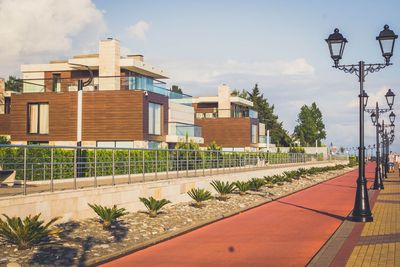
(230, 121)
(124, 104)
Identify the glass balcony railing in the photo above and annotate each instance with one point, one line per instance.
(208, 113)
(183, 129)
(263, 139)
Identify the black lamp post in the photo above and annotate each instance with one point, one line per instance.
(375, 114)
(336, 43)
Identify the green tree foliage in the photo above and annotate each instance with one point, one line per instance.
(310, 126)
(176, 89)
(4, 140)
(279, 135)
(13, 84)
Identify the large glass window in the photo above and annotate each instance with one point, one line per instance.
(141, 83)
(253, 133)
(38, 118)
(155, 118)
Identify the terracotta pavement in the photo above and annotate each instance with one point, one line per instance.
(285, 232)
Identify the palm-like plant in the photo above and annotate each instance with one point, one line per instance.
(108, 215)
(256, 183)
(223, 188)
(199, 195)
(242, 187)
(153, 205)
(27, 232)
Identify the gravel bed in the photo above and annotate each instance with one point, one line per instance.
(81, 242)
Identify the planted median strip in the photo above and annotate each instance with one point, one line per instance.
(88, 241)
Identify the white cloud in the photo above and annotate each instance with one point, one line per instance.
(42, 29)
(215, 72)
(139, 30)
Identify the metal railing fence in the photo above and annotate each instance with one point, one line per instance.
(48, 168)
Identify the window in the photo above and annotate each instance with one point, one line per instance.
(155, 118)
(38, 143)
(253, 133)
(115, 144)
(56, 82)
(38, 118)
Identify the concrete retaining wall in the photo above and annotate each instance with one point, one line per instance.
(73, 204)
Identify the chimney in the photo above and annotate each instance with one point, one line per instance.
(2, 86)
(224, 101)
(136, 57)
(109, 64)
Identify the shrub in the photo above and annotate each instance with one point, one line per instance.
(153, 205)
(223, 188)
(256, 183)
(199, 195)
(108, 215)
(242, 187)
(27, 232)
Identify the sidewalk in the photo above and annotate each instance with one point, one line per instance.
(379, 243)
(286, 232)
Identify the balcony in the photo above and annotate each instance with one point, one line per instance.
(59, 84)
(178, 131)
(209, 113)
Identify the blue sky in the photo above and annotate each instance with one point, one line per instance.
(201, 44)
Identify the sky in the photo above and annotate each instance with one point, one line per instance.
(201, 44)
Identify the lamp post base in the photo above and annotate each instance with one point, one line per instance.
(360, 218)
(378, 184)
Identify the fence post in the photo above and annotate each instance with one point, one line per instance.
(203, 160)
(187, 163)
(217, 161)
(156, 158)
(195, 162)
(129, 167)
(167, 163)
(143, 166)
(75, 168)
(113, 166)
(51, 169)
(25, 189)
(211, 159)
(230, 163)
(177, 163)
(95, 167)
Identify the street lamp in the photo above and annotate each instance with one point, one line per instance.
(386, 40)
(336, 43)
(390, 98)
(392, 117)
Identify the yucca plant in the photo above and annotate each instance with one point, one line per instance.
(153, 205)
(256, 183)
(223, 188)
(199, 195)
(27, 232)
(242, 187)
(108, 215)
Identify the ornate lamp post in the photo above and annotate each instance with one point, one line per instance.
(336, 43)
(375, 114)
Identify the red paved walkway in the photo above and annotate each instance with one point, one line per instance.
(286, 232)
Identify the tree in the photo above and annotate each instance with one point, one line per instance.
(176, 89)
(13, 84)
(310, 127)
(279, 135)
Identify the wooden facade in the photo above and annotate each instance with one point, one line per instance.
(227, 132)
(106, 116)
(5, 120)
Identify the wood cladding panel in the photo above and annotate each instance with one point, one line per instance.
(62, 116)
(5, 120)
(113, 115)
(228, 132)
